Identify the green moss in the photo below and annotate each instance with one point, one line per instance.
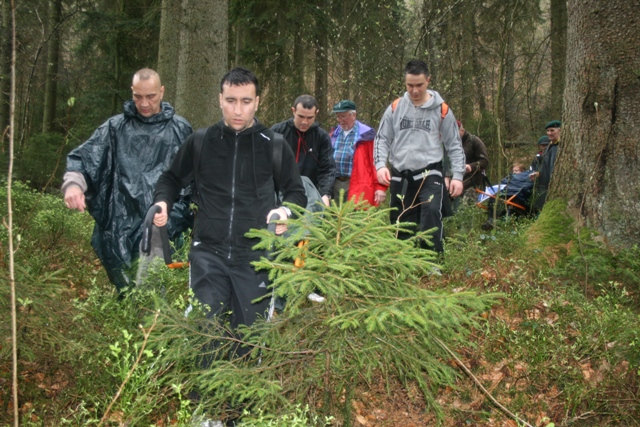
(554, 228)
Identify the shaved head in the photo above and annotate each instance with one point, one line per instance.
(146, 74)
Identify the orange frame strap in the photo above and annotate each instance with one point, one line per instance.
(508, 201)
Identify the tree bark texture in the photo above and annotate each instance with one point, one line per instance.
(466, 70)
(169, 47)
(53, 55)
(558, 54)
(598, 166)
(321, 62)
(297, 82)
(201, 48)
(478, 78)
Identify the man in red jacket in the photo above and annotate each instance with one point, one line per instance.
(353, 151)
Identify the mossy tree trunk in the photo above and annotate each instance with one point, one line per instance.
(598, 166)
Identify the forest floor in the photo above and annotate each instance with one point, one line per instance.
(561, 348)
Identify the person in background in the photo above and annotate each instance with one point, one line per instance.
(514, 193)
(543, 142)
(113, 174)
(311, 145)
(543, 175)
(477, 161)
(353, 151)
(517, 168)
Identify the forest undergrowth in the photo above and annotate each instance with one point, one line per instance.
(542, 314)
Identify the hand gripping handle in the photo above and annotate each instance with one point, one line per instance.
(147, 230)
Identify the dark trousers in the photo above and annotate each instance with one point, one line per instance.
(229, 290)
(421, 204)
(341, 185)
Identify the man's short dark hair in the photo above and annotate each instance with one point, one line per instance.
(238, 77)
(416, 67)
(307, 102)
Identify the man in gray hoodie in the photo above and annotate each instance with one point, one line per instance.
(415, 131)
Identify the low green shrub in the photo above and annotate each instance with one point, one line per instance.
(377, 319)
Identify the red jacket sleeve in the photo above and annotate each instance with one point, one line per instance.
(364, 178)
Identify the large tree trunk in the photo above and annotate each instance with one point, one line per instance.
(169, 47)
(192, 57)
(558, 54)
(598, 168)
(53, 54)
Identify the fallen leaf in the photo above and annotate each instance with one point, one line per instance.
(587, 370)
(552, 318)
(488, 275)
(362, 420)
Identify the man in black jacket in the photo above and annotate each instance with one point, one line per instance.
(542, 176)
(476, 160)
(311, 145)
(235, 191)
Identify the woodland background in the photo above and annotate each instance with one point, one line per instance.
(499, 64)
(506, 67)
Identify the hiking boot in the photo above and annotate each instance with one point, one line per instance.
(488, 225)
(208, 423)
(435, 271)
(203, 421)
(313, 297)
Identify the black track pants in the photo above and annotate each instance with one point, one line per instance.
(422, 204)
(228, 288)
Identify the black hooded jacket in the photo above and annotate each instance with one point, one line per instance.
(234, 186)
(313, 152)
(475, 154)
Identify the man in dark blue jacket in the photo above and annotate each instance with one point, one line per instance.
(233, 172)
(114, 172)
(542, 176)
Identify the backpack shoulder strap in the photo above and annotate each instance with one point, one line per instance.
(278, 143)
(445, 110)
(445, 107)
(394, 105)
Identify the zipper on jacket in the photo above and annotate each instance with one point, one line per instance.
(233, 196)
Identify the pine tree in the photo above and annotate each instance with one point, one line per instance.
(377, 319)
